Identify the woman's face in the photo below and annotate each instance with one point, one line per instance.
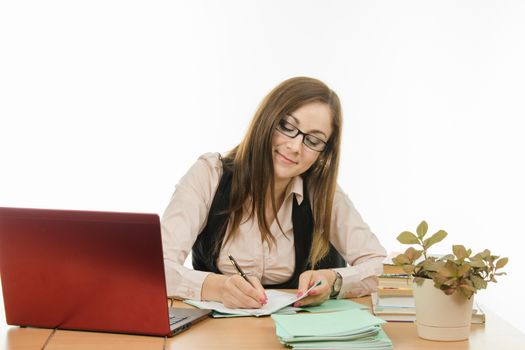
(291, 157)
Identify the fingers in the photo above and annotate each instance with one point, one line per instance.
(305, 282)
(259, 287)
(253, 289)
(238, 293)
(318, 294)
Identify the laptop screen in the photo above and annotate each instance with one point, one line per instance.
(83, 270)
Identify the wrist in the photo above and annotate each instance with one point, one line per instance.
(337, 283)
(213, 287)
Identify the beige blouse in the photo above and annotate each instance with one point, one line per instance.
(187, 213)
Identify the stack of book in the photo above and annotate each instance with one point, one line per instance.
(394, 308)
(389, 268)
(403, 310)
(349, 329)
(394, 300)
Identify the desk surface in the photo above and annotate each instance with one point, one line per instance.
(245, 333)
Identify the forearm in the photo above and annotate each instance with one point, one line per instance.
(361, 288)
(360, 279)
(183, 282)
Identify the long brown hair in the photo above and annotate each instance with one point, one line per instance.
(253, 172)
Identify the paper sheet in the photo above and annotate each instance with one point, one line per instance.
(277, 300)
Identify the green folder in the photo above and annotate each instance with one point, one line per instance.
(353, 328)
(379, 342)
(327, 324)
(332, 305)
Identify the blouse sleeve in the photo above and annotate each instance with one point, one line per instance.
(353, 239)
(183, 220)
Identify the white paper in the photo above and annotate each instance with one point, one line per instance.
(277, 300)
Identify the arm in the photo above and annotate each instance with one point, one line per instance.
(183, 220)
(353, 239)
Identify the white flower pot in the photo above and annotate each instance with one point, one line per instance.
(440, 316)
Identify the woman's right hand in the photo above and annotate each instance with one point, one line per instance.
(238, 293)
(234, 291)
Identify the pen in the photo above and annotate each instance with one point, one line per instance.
(239, 270)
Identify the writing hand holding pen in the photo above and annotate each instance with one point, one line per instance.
(246, 289)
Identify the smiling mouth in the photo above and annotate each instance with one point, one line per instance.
(285, 159)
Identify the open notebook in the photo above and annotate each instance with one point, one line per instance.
(277, 301)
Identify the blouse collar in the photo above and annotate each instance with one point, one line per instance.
(296, 187)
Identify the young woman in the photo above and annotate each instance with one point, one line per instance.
(274, 205)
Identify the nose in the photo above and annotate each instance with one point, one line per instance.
(295, 144)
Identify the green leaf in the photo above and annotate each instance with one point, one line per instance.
(447, 257)
(490, 260)
(438, 280)
(407, 237)
(477, 263)
(467, 281)
(452, 269)
(501, 262)
(466, 291)
(477, 257)
(430, 265)
(467, 287)
(479, 283)
(459, 251)
(401, 259)
(422, 229)
(409, 269)
(413, 254)
(435, 238)
(417, 254)
(410, 253)
(463, 270)
(445, 272)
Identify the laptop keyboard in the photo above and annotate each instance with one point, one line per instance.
(174, 319)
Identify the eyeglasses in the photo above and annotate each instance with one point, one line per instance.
(312, 142)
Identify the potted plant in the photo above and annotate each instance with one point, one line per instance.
(444, 286)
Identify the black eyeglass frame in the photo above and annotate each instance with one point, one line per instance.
(297, 131)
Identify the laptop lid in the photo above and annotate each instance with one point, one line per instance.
(83, 270)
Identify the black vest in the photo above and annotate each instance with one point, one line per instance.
(215, 230)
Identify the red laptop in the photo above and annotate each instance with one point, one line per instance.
(82, 270)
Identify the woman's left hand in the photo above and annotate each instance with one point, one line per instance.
(319, 294)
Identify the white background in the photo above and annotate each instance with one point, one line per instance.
(105, 104)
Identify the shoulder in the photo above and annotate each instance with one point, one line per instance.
(203, 176)
(210, 162)
(343, 207)
(344, 212)
(341, 198)
(207, 166)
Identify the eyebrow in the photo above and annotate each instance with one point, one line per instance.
(309, 132)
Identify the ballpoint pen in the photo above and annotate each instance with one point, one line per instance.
(239, 270)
